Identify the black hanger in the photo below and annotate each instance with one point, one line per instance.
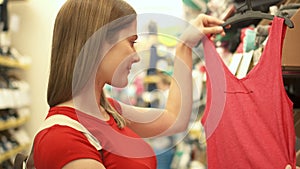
(249, 14)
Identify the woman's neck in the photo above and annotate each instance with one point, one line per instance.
(67, 103)
(100, 113)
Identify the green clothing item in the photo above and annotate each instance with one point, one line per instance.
(193, 5)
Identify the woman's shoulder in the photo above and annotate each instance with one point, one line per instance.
(58, 145)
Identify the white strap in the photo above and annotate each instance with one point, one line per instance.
(67, 121)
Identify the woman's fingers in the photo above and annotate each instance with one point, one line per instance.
(201, 26)
(213, 30)
(210, 20)
(210, 24)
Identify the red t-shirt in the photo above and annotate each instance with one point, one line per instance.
(249, 122)
(58, 145)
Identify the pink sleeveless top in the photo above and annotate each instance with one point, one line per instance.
(249, 122)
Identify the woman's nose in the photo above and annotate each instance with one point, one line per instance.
(136, 58)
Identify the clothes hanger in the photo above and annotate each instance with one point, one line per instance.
(249, 14)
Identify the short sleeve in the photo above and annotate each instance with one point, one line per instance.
(58, 145)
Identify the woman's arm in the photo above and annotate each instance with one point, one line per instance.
(149, 122)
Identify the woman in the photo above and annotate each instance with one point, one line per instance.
(93, 45)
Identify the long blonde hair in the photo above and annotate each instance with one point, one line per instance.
(75, 23)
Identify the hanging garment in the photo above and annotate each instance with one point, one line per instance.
(249, 121)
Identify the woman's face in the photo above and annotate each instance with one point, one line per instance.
(116, 65)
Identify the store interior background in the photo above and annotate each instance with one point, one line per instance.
(31, 24)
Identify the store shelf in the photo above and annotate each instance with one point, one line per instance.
(13, 123)
(12, 63)
(13, 152)
(151, 79)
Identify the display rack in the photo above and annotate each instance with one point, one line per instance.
(8, 155)
(13, 123)
(13, 138)
(12, 63)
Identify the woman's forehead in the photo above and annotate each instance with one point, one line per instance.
(129, 31)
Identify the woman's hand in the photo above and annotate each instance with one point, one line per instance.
(200, 26)
(208, 24)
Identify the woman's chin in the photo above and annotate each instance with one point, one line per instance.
(120, 83)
